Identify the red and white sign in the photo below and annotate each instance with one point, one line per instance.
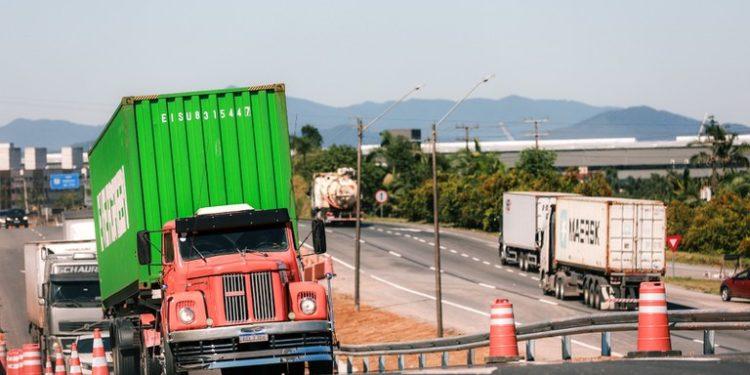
(673, 241)
(381, 196)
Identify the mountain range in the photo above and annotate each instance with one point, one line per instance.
(563, 119)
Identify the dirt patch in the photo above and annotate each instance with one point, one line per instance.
(373, 325)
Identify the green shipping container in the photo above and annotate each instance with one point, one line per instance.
(161, 157)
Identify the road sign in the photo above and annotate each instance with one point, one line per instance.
(64, 181)
(381, 196)
(673, 241)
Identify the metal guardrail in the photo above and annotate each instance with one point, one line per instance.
(691, 320)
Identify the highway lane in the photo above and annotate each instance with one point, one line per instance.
(12, 284)
(403, 254)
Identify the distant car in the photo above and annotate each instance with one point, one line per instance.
(15, 217)
(85, 346)
(736, 286)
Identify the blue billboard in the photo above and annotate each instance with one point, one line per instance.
(64, 181)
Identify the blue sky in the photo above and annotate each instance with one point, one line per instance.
(74, 60)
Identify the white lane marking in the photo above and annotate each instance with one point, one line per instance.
(422, 241)
(361, 241)
(592, 347)
(329, 231)
(431, 243)
(454, 251)
(498, 266)
(443, 247)
(380, 229)
(475, 259)
(553, 303)
(698, 341)
(522, 274)
(424, 295)
(394, 253)
(397, 233)
(464, 255)
(407, 235)
(23, 271)
(389, 232)
(509, 270)
(534, 278)
(487, 286)
(302, 225)
(486, 263)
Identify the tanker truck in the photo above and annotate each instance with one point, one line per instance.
(197, 239)
(334, 196)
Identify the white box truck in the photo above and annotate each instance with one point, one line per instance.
(525, 214)
(62, 290)
(602, 249)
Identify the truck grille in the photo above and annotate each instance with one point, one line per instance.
(235, 298)
(68, 326)
(261, 284)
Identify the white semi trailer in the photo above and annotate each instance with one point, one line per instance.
(525, 217)
(602, 249)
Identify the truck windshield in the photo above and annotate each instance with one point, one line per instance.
(86, 345)
(258, 239)
(75, 293)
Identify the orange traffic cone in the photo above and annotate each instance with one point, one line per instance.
(11, 368)
(59, 361)
(503, 344)
(653, 322)
(99, 360)
(32, 359)
(3, 353)
(74, 362)
(48, 367)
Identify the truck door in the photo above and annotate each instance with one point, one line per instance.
(547, 252)
(649, 240)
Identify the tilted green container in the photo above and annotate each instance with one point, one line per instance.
(162, 157)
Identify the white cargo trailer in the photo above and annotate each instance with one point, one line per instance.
(333, 196)
(525, 217)
(602, 249)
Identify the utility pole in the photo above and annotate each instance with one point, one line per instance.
(361, 127)
(537, 134)
(466, 129)
(436, 220)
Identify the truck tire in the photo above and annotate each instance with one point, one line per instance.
(586, 293)
(523, 262)
(126, 356)
(558, 288)
(597, 297)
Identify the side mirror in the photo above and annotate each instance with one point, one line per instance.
(319, 236)
(144, 248)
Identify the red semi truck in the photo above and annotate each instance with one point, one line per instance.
(197, 238)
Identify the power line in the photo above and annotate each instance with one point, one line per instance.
(466, 129)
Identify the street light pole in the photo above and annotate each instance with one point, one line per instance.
(436, 221)
(357, 237)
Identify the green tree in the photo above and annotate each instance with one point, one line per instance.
(537, 162)
(722, 152)
(309, 140)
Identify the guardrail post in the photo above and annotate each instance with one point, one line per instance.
(565, 347)
(709, 342)
(349, 366)
(606, 344)
(400, 362)
(365, 364)
(470, 358)
(530, 346)
(444, 360)
(381, 364)
(421, 361)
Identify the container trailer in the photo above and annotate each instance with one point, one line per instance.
(334, 196)
(602, 249)
(197, 239)
(525, 215)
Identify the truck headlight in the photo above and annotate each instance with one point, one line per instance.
(186, 315)
(308, 306)
(26, 218)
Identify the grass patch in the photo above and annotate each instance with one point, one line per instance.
(707, 259)
(700, 285)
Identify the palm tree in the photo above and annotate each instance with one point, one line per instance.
(722, 152)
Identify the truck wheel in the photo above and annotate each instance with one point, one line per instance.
(586, 294)
(558, 288)
(320, 367)
(125, 347)
(597, 297)
(503, 259)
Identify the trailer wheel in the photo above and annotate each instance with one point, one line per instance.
(597, 298)
(558, 288)
(586, 294)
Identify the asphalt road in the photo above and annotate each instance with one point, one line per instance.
(13, 319)
(397, 262)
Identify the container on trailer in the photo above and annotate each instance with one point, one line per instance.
(162, 157)
(611, 235)
(525, 215)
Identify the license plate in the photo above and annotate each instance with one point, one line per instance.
(254, 338)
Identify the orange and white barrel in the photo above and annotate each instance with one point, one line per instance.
(653, 322)
(503, 341)
(32, 360)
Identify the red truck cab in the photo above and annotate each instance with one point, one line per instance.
(233, 295)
